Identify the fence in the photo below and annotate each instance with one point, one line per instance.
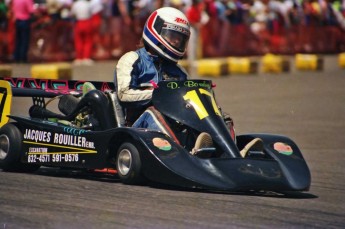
(53, 41)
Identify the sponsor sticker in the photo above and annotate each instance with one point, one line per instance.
(161, 144)
(283, 148)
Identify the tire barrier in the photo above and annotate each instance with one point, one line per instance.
(309, 62)
(5, 70)
(341, 60)
(52, 71)
(242, 65)
(271, 63)
(212, 67)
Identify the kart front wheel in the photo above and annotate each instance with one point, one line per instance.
(128, 164)
(10, 149)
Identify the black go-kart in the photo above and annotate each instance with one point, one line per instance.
(87, 131)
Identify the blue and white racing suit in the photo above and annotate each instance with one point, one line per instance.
(134, 73)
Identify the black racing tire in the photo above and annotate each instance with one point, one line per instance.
(10, 150)
(128, 164)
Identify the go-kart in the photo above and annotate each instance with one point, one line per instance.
(87, 131)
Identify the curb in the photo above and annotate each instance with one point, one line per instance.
(5, 70)
(52, 71)
(209, 67)
(270, 63)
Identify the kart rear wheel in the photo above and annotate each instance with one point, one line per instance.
(10, 149)
(128, 164)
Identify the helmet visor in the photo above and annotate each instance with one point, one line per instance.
(176, 36)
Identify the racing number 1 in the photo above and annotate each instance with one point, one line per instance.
(193, 97)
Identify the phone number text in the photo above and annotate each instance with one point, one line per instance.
(41, 158)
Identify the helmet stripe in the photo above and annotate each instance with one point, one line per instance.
(150, 23)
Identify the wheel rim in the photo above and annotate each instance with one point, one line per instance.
(124, 161)
(4, 146)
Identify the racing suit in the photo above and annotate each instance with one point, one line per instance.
(135, 72)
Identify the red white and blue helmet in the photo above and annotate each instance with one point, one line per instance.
(167, 32)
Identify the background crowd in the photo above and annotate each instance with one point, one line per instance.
(86, 30)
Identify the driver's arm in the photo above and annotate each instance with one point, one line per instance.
(125, 73)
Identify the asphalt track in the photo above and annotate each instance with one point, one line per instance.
(309, 107)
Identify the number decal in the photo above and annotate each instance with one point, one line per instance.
(194, 99)
(215, 107)
(199, 108)
(5, 101)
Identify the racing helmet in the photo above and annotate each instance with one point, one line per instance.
(167, 32)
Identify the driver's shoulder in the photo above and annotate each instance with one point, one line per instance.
(130, 56)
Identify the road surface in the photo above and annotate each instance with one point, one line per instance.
(309, 107)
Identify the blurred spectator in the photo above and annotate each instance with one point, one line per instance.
(53, 9)
(223, 26)
(339, 13)
(120, 18)
(178, 4)
(65, 12)
(259, 12)
(210, 30)
(194, 14)
(23, 11)
(141, 10)
(231, 27)
(259, 27)
(3, 30)
(238, 16)
(81, 10)
(96, 22)
(3, 15)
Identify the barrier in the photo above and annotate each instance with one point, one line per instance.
(52, 71)
(212, 67)
(308, 62)
(55, 43)
(341, 60)
(5, 71)
(271, 63)
(241, 65)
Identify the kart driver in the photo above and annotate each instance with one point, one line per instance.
(164, 41)
(165, 37)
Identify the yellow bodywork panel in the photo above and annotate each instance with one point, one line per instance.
(5, 101)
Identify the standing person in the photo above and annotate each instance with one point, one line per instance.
(53, 9)
(120, 18)
(22, 10)
(96, 21)
(3, 15)
(81, 10)
(194, 14)
(3, 29)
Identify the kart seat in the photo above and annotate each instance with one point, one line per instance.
(71, 106)
(131, 110)
(99, 104)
